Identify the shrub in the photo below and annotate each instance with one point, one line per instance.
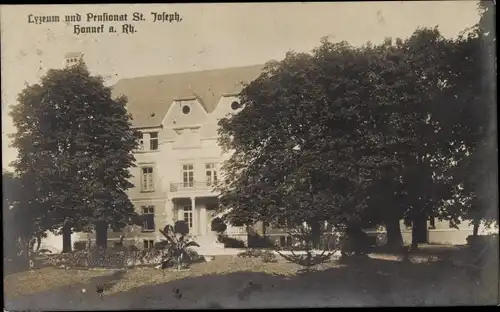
(250, 253)
(258, 241)
(181, 227)
(99, 257)
(218, 225)
(304, 233)
(269, 257)
(79, 246)
(265, 255)
(132, 248)
(230, 242)
(194, 257)
(355, 242)
(176, 248)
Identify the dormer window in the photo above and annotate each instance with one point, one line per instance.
(186, 109)
(148, 141)
(140, 136)
(235, 105)
(153, 141)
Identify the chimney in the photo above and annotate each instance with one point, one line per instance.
(72, 58)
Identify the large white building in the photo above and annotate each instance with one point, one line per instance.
(179, 158)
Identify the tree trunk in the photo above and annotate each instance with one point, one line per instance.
(418, 231)
(38, 242)
(414, 236)
(394, 237)
(475, 230)
(66, 236)
(315, 234)
(101, 234)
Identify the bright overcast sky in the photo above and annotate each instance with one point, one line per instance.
(209, 36)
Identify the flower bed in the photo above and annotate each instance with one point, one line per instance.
(106, 258)
(113, 258)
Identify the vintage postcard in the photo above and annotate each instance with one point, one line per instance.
(249, 155)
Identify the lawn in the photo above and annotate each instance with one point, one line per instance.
(234, 282)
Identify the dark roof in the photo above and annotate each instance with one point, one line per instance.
(154, 94)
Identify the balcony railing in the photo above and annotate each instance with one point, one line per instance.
(191, 186)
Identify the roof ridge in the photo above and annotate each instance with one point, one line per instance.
(191, 72)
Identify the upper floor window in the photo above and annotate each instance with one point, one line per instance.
(140, 135)
(153, 141)
(148, 214)
(147, 184)
(211, 173)
(152, 137)
(188, 175)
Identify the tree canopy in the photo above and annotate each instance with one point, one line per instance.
(365, 135)
(75, 146)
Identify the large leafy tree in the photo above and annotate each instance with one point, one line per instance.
(75, 146)
(471, 92)
(306, 147)
(23, 224)
(425, 183)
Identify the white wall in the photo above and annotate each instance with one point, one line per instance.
(54, 242)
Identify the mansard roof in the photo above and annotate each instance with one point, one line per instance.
(150, 97)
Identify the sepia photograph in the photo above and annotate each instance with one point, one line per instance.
(249, 155)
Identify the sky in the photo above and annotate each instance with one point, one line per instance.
(212, 35)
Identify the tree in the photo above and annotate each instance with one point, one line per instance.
(309, 259)
(305, 146)
(420, 183)
(75, 146)
(24, 224)
(470, 74)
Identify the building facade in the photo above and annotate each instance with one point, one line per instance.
(179, 159)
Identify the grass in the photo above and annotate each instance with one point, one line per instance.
(221, 265)
(225, 282)
(29, 282)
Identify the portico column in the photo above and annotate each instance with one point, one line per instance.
(169, 211)
(180, 212)
(195, 216)
(203, 221)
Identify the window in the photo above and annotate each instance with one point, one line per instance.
(188, 175)
(153, 141)
(188, 215)
(140, 136)
(211, 174)
(235, 105)
(147, 179)
(149, 244)
(432, 223)
(285, 241)
(148, 214)
(186, 109)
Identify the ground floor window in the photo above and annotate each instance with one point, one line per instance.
(148, 243)
(188, 215)
(285, 241)
(432, 223)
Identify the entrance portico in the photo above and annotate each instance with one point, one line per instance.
(197, 212)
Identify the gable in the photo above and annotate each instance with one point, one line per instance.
(184, 113)
(224, 108)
